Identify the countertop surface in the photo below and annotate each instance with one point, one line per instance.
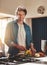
(32, 61)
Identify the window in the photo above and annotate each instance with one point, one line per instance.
(3, 23)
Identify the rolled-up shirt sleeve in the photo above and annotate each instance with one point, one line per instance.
(7, 38)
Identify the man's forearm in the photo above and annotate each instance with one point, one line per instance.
(32, 45)
(11, 44)
(14, 45)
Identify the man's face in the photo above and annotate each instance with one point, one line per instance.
(21, 15)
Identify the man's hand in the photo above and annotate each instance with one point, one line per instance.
(33, 49)
(21, 48)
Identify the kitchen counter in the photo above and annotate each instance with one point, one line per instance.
(32, 64)
(36, 61)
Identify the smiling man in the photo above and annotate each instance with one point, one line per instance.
(18, 35)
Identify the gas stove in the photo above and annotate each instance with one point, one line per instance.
(15, 61)
(6, 61)
(18, 61)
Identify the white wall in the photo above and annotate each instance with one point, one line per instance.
(9, 6)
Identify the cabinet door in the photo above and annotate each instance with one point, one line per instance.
(39, 31)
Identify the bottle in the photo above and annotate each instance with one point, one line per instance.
(46, 48)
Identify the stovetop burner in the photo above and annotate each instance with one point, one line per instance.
(7, 63)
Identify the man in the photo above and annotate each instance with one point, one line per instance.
(18, 35)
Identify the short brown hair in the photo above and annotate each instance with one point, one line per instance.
(21, 9)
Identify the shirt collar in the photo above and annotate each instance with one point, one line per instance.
(17, 21)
